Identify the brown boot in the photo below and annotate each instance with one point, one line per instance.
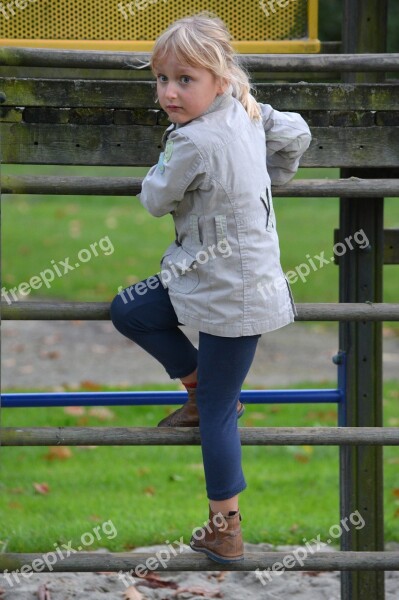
(187, 415)
(220, 539)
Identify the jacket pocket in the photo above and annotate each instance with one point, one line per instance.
(178, 270)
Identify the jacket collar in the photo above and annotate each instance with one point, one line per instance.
(220, 102)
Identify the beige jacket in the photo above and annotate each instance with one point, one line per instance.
(214, 176)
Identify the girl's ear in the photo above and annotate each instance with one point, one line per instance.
(223, 85)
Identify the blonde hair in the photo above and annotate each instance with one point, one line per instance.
(203, 40)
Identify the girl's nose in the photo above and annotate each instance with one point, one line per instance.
(170, 91)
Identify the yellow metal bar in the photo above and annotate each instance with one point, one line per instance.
(313, 19)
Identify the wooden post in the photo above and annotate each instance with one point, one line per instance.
(361, 469)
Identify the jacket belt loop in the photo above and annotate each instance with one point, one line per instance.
(221, 227)
(194, 229)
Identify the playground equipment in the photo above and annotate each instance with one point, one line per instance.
(91, 119)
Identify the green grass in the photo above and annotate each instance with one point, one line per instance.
(39, 229)
(154, 494)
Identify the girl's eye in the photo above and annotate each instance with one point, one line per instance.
(185, 79)
(162, 78)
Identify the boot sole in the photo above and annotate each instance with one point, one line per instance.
(162, 424)
(216, 557)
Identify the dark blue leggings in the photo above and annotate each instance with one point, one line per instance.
(148, 318)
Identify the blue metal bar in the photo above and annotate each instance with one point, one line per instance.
(35, 400)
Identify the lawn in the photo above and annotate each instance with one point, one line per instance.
(134, 241)
(156, 494)
(153, 494)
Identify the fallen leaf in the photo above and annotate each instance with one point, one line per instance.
(75, 410)
(142, 471)
(396, 513)
(257, 416)
(199, 591)
(395, 492)
(52, 354)
(41, 488)
(152, 580)
(43, 593)
(86, 384)
(17, 490)
(149, 491)
(132, 594)
(15, 505)
(102, 413)
(218, 576)
(301, 458)
(58, 453)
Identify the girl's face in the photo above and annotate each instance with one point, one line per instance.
(185, 92)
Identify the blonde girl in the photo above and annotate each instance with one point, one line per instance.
(222, 274)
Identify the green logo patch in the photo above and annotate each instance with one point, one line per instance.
(168, 151)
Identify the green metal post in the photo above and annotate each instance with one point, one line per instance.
(361, 468)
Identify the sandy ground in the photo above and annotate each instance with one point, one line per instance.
(53, 354)
(288, 585)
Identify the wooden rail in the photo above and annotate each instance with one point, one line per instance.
(99, 311)
(34, 57)
(184, 436)
(130, 186)
(192, 561)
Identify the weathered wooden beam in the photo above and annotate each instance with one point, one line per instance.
(184, 436)
(130, 186)
(391, 246)
(38, 57)
(99, 311)
(304, 559)
(139, 145)
(122, 94)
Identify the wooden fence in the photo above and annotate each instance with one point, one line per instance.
(75, 113)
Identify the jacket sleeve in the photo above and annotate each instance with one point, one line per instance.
(287, 138)
(180, 169)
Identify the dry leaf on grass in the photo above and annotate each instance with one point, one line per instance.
(104, 414)
(87, 384)
(132, 594)
(75, 411)
(58, 453)
(41, 488)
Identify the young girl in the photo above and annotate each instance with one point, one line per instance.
(222, 274)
